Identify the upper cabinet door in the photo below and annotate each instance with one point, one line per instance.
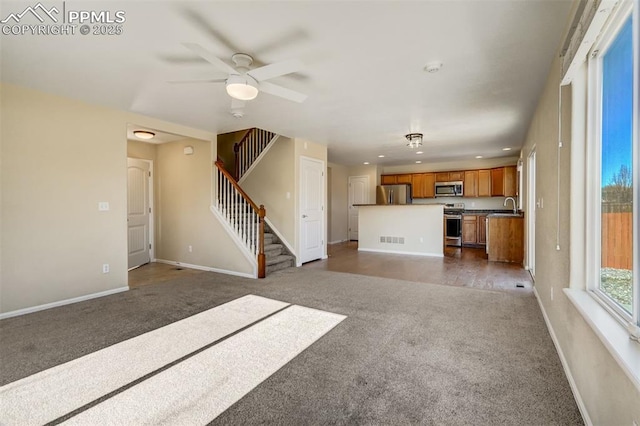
(471, 183)
(484, 183)
(442, 177)
(497, 182)
(417, 185)
(429, 185)
(388, 180)
(510, 181)
(456, 176)
(403, 178)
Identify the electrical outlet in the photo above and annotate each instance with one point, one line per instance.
(552, 294)
(105, 268)
(190, 248)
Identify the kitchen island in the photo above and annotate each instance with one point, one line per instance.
(416, 229)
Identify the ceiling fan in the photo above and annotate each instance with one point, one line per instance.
(243, 83)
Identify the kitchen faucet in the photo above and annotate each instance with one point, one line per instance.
(515, 210)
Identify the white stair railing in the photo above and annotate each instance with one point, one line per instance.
(242, 214)
(250, 148)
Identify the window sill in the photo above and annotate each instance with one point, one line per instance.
(613, 334)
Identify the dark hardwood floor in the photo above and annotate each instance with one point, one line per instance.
(461, 267)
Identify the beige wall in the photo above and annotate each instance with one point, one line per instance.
(225, 152)
(184, 215)
(272, 183)
(60, 157)
(338, 203)
(420, 226)
(609, 396)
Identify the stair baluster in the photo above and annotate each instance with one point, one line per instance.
(249, 149)
(244, 216)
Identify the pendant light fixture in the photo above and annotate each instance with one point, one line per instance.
(415, 140)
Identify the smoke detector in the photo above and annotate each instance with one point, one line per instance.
(433, 67)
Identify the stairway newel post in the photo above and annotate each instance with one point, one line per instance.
(262, 267)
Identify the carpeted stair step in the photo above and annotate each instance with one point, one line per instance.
(279, 262)
(272, 250)
(268, 238)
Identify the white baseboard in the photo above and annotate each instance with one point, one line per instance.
(565, 365)
(401, 252)
(205, 268)
(62, 303)
(338, 241)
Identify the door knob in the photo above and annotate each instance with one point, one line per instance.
(304, 215)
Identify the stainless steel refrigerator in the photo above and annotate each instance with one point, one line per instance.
(394, 194)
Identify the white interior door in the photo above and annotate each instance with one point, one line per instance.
(312, 189)
(138, 211)
(531, 213)
(358, 194)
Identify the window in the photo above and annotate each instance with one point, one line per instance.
(613, 279)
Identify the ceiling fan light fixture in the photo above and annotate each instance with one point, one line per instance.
(143, 134)
(242, 87)
(415, 140)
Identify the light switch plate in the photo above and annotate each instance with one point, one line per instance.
(103, 206)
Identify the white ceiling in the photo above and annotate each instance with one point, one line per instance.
(363, 71)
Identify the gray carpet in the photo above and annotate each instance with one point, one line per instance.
(407, 353)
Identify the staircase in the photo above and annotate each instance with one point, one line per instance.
(277, 255)
(242, 215)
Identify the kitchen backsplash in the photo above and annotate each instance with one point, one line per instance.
(483, 203)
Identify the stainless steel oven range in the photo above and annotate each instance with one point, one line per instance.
(453, 224)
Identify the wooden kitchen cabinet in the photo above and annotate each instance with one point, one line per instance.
(429, 185)
(484, 183)
(423, 185)
(474, 230)
(504, 181)
(442, 177)
(469, 230)
(506, 239)
(403, 178)
(497, 182)
(388, 180)
(471, 183)
(417, 185)
(456, 176)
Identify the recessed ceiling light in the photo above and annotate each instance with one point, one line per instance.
(143, 134)
(380, 156)
(506, 149)
(478, 156)
(366, 162)
(419, 152)
(418, 162)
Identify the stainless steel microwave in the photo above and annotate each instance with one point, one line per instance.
(449, 189)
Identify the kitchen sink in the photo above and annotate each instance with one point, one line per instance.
(505, 215)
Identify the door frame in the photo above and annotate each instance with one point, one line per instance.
(367, 196)
(531, 213)
(323, 197)
(152, 222)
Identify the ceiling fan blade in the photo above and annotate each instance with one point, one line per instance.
(292, 36)
(209, 80)
(276, 70)
(283, 92)
(210, 57)
(209, 28)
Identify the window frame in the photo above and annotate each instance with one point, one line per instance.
(594, 155)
